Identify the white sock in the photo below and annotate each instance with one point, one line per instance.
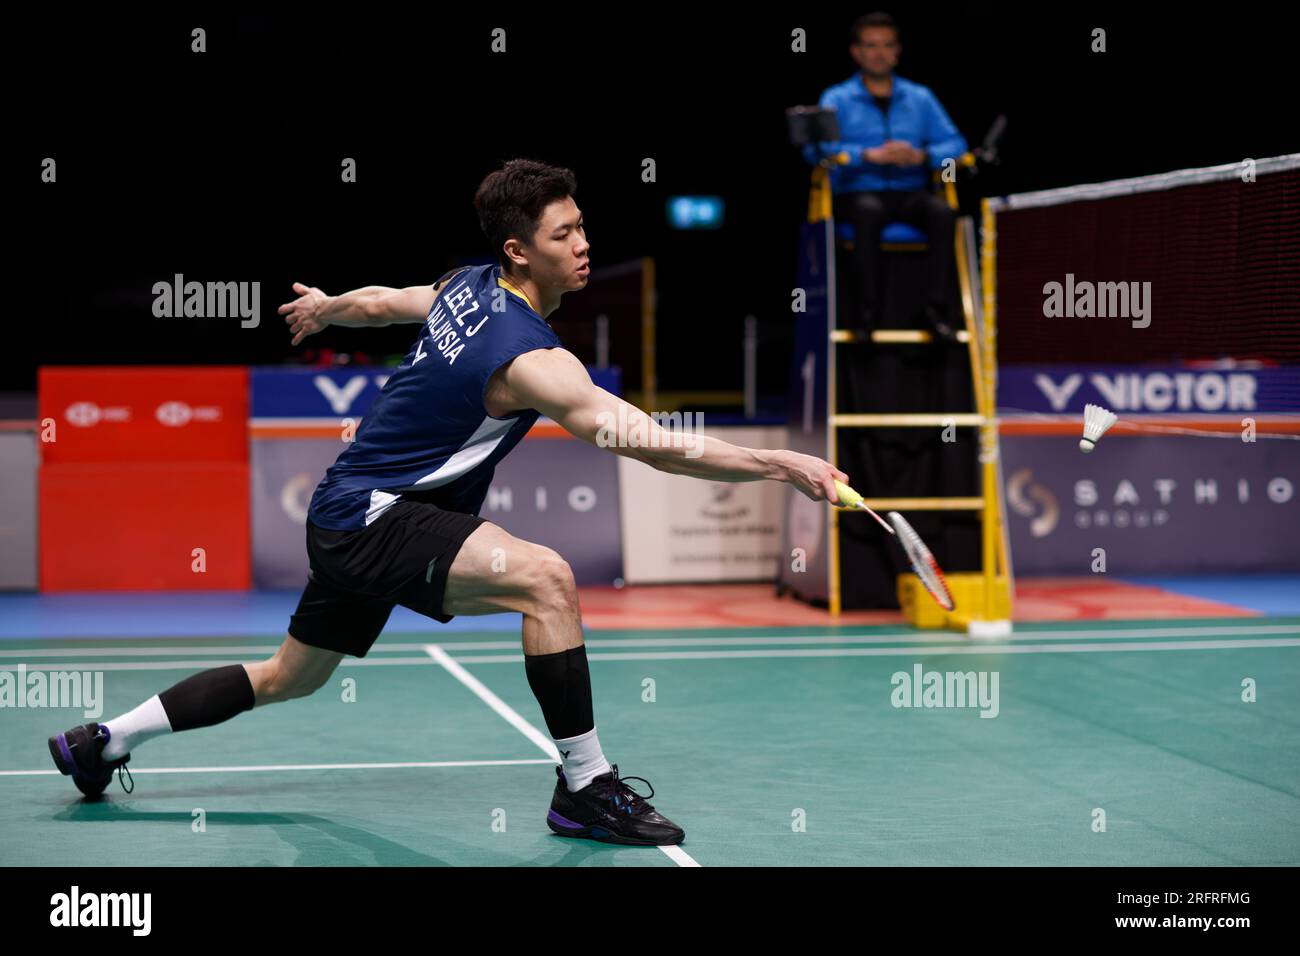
(133, 728)
(582, 759)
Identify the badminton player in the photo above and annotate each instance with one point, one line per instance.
(395, 519)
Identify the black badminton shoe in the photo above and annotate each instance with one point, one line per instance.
(610, 811)
(79, 753)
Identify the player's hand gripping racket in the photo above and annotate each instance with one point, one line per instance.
(918, 555)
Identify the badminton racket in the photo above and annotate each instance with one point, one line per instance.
(918, 555)
(923, 562)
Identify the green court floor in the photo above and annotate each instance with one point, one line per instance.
(769, 746)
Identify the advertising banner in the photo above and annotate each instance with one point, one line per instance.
(679, 529)
(1155, 504)
(18, 464)
(1150, 389)
(560, 492)
(144, 413)
(552, 489)
(144, 478)
(144, 526)
(309, 396)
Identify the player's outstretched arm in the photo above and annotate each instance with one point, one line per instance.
(373, 305)
(555, 383)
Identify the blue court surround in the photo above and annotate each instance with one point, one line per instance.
(189, 614)
(1264, 593)
(135, 614)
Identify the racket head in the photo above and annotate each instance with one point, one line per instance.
(922, 561)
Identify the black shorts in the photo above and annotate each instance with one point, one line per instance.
(358, 577)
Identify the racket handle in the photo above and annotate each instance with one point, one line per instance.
(848, 497)
(851, 499)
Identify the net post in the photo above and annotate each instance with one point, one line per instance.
(988, 389)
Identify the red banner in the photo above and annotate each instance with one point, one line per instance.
(144, 480)
(143, 413)
(128, 526)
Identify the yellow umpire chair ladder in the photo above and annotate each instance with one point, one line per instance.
(982, 598)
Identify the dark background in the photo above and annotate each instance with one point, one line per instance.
(225, 165)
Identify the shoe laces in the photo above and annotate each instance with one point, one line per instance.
(102, 734)
(623, 797)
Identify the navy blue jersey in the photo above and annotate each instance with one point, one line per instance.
(428, 433)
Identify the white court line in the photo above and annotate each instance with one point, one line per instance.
(298, 766)
(137, 651)
(900, 637)
(679, 856)
(874, 638)
(513, 717)
(508, 713)
(200, 665)
(918, 650)
(882, 637)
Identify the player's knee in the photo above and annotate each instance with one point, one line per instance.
(552, 584)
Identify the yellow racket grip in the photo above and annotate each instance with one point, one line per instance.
(848, 497)
(851, 499)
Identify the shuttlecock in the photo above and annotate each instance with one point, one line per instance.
(1096, 421)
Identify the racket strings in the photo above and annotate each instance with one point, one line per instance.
(922, 561)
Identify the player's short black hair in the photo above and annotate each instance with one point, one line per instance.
(511, 199)
(877, 19)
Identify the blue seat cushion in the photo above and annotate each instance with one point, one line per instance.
(893, 232)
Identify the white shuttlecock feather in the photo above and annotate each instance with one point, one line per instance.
(1096, 422)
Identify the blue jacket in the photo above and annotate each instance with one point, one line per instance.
(914, 115)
